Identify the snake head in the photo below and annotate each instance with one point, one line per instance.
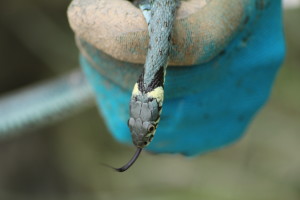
(144, 117)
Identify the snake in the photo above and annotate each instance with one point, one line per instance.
(148, 92)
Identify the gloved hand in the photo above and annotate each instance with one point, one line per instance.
(228, 52)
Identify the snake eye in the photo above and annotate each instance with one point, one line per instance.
(151, 128)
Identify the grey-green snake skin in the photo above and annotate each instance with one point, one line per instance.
(148, 93)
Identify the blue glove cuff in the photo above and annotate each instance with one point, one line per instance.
(206, 106)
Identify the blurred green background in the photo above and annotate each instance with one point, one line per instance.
(63, 161)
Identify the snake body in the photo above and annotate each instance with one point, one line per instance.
(148, 92)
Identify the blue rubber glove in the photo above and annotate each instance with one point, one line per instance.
(206, 106)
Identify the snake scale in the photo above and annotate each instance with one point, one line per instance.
(148, 92)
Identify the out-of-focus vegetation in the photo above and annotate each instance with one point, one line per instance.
(64, 161)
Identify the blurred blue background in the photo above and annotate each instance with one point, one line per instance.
(62, 161)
